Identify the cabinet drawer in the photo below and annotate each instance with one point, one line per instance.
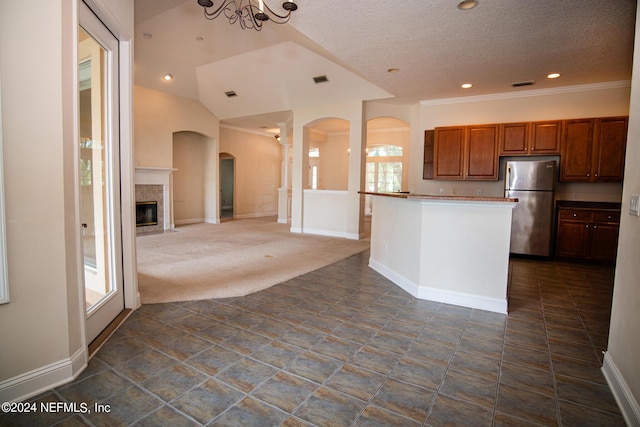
(576, 214)
(606, 216)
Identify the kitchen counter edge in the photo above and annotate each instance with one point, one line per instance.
(444, 198)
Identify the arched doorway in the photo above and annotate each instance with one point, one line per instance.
(227, 184)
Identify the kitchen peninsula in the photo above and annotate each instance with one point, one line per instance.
(450, 249)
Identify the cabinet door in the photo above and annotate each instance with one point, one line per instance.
(609, 149)
(604, 241)
(481, 160)
(545, 137)
(514, 139)
(572, 239)
(448, 152)
(576, 150)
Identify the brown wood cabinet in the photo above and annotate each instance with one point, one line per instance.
(593, 149)
(466, 152)
(587, 233)
(530, 139)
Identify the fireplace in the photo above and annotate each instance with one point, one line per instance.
(146, 213)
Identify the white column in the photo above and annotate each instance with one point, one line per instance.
(283, 191)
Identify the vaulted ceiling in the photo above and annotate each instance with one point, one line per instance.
(434, 46)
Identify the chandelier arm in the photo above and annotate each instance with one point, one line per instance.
(284, 18)
(213, 15)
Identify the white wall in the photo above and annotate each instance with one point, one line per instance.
(624, 336)
(42, 328)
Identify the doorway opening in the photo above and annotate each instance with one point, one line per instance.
(227, 176)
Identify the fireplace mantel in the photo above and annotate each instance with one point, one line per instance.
(153, 176)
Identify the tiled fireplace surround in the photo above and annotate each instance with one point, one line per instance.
(153, 185)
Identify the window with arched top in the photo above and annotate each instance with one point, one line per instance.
(384, 168)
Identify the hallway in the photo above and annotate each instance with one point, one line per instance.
(343, 346)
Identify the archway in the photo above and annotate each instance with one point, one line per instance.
(387, 154)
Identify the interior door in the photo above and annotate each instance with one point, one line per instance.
(99, 172)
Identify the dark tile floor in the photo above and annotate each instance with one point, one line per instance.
(343, 346)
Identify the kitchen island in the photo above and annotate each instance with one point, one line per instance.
(450, 249)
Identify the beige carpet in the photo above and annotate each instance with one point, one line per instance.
(235, 258)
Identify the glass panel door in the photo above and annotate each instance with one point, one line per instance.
(99, 173)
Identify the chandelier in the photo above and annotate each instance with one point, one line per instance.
(248, 13)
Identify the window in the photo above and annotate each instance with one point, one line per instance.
(314, 160)
(384, 169)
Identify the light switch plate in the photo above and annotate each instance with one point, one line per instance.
(634, 205)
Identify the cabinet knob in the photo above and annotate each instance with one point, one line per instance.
(588, 174)
(586, 226)
(596, 175)
(575, 215)
(609, 217)
(595, 226)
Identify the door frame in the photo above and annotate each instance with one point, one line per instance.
(124, 35)
(227, 157)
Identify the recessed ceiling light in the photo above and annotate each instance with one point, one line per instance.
(467, 4)
(466, 85)
(553, 75)
(393, 70)
(167, 77)
(199, 38)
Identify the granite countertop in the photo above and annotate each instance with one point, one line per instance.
(445, 198)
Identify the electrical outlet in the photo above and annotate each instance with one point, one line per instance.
(442, 191)
(634, 205)
(479, 191)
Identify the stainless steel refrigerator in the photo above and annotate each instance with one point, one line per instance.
(532, 182)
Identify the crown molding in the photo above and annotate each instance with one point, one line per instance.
(528, 93)
(245, 130)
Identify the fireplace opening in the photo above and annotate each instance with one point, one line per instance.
(146, 213)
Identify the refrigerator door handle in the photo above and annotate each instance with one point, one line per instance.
(508, 178)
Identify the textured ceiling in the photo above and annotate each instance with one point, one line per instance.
(435, 46)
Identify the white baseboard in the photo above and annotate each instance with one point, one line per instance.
(32, 383)
(621, 392)
(254, 215)
(395, 277)
(331, 233)
(440, 295)
(283, 221)
(189, 221)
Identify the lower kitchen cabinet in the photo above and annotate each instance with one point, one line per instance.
(590, 234)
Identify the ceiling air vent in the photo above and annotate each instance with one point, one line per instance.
(518, 84)
(231, 94)
(320, 79)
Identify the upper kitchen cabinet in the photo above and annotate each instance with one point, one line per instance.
(609, 148)
(466, 152)
(448, 152)
(530, 139)
(593, 149)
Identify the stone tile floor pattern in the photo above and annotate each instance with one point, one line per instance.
(343, 346)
